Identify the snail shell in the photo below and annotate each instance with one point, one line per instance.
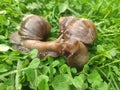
(82, 28)
(34, 27)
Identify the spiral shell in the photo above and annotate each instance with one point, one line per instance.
(34, 27)
(82, 28)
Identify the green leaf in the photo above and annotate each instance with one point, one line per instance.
(55, 63)
(3, 68)
(52, 72)
(95, 79)
(2, 37)
(61, 82)
(14, 56)
(108, 55)
(33, 54)
(10, 87)
(50, 60)
(100, 49)
(86, 68)
(103, 86)
(34, 63)
(116, 70)
(43, 82)
(96, 84)
(45, 70)
(32, 6)
(3, 12)
(64, 69)
(4, 48)
(2, 86)
(73, 70)
(30, 73)
(94, 76)
(113, 52)
(63, 7)
(79, 82)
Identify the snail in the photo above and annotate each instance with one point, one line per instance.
(75, 33)
(82, 28)
(31, 35)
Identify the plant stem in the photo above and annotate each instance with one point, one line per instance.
(13, 72)
(116, 61)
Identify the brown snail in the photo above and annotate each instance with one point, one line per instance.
(77, 32)
(33, 30)
(74, 33)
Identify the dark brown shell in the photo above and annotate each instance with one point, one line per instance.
(34, 27)
(82, 28)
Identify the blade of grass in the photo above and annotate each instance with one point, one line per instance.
(114, 82)
(36, 79)
(17, 81)
(116, 61)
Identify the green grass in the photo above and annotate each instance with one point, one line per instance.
(20, 71)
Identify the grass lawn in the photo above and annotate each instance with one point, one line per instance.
(23, 71)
